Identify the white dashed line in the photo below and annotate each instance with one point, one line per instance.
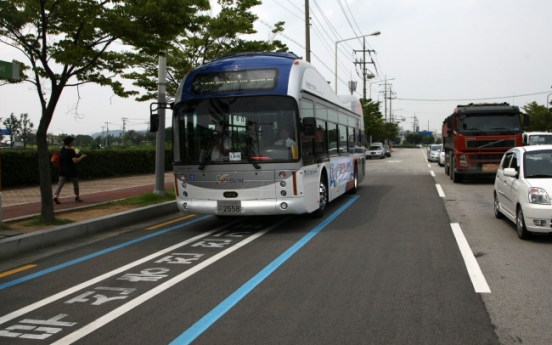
(476, 275)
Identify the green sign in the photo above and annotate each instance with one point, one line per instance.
(9, 70)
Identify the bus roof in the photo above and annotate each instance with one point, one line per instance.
(293, 76)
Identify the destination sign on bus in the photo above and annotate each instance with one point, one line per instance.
(231, 81)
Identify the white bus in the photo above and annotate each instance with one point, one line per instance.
(263, 134)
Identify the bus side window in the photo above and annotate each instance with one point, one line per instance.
(342, 139)
(320, 142)
(332, 138)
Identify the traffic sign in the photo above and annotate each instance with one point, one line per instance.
(5, 131)
(9, 70)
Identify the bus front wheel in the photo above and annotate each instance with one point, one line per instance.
(323, 190)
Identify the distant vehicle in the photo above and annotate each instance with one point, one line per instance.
(441, 161)
(375, 151)
(476, 136)
(522, 189)
(387, 150)
(434, 150)
(537, 138)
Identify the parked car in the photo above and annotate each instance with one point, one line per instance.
(433, 152)
(441, 161)
(375, 151)
(387, 150)
(522, 189)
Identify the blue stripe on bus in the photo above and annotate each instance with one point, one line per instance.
(210, 318)
(93, 255)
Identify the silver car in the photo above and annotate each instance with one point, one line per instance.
(376, 151)
(433, 153)
(522, 189)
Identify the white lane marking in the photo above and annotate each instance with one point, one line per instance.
(92, 281)
(429, 165)
(476, 275)
(432, 173)
(94, 325)
(440, 190)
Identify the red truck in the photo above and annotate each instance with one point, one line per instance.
(476, 136)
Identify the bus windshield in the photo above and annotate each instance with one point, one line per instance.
(495, 124)
(246, 129)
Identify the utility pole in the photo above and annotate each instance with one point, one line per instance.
(365, 75)
(124, 123)
(107, 133)
(385, 97)
(307, 30)
(160, 136)
(103, 133)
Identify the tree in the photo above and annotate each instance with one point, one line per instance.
(14, 125)
(540, 117)
(373, 120)
(70, 42)
(214, 36)
(26, 130)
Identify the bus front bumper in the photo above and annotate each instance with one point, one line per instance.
(247, 207)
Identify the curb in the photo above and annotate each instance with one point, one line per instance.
(15, 245)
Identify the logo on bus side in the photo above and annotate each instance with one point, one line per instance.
(310, 171)
(222, 178)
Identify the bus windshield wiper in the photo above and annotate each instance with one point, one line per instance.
(254, 162)
(207, 157)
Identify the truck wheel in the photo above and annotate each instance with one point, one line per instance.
(450, 166)
(456, 177)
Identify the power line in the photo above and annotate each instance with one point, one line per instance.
(469, 99)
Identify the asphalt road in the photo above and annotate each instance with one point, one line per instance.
(383, 267)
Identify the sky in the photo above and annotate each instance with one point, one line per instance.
(434, 54)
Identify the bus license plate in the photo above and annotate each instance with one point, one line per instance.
(228, 207)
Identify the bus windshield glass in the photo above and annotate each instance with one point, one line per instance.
(487, 124)
(246, 129)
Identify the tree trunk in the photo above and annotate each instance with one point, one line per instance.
(46, 195)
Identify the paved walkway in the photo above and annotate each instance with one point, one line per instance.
(24, 202)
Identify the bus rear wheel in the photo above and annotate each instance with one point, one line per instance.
(323, 190)
(355, 181)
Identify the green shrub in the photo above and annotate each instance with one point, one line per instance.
(19, 167)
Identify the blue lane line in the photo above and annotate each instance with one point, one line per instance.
(93, 255)
(210, 318)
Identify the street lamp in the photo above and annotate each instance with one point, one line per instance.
(377, 33)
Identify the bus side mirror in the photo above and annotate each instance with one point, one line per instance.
(449, 131)
(309, 126)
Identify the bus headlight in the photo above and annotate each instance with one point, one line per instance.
(284, 205)
(185, 194)
(283, 193)
(185, 205)
(282, 184)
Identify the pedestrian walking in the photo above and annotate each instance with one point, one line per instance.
(68, 168)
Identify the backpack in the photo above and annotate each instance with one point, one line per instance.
(56, 157)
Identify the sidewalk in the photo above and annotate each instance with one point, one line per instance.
(20, 203)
